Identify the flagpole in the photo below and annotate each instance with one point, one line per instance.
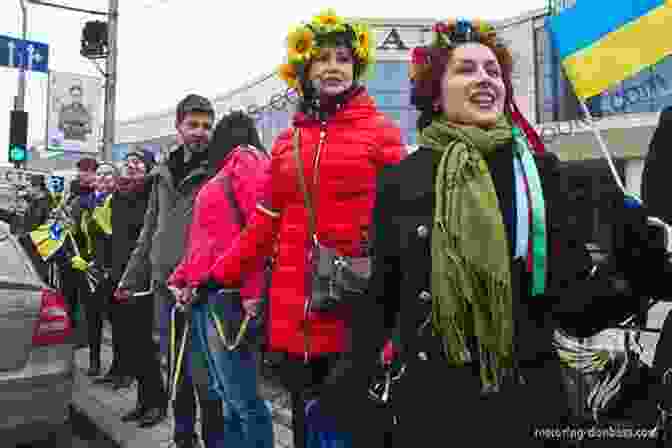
(603, 147)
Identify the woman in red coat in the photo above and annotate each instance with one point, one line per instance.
(344, 142)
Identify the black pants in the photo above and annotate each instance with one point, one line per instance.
(117, 316)
(94, 307)
(71, 281)
(303, 383)
(137, 354)
(184, 406)
(439, 402)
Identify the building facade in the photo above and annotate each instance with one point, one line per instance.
(272, 104)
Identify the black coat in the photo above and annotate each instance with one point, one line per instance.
(128, 215)
(37, 213)
(444, 402)
(657, 165)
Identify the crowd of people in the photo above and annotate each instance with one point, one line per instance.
(342, 252)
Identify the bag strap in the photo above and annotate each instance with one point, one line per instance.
(302, 183)
(227, 183)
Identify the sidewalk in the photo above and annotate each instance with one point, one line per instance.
(105, 407)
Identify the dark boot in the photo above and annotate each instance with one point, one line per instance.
(94, 368)
(152, 417)
(122, 382)
(111, 377)
(134, 415)
(187, 443)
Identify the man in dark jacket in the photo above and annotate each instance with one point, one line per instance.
(75, 287)
(160, 247)
(38, 204)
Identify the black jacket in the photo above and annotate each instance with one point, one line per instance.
(37, 213)
(402, 265)
(128, 214)
(657, 166)
(400, 292)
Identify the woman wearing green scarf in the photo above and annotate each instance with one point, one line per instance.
(473, 258)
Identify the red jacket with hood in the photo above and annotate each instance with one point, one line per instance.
(214, 224)
(357, 141)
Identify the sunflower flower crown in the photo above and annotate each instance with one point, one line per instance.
(448, 34)
(306, 40)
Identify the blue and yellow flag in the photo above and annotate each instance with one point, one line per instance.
(603, 43)
(48, 239)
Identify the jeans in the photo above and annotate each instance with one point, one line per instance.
(250, 420)
(249, 423)
(213, 423)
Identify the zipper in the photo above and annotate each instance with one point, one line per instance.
(316, 166)
(307, 305)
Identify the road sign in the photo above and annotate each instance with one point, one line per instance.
(26, 54)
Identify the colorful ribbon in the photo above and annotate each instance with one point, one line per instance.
(538, 211)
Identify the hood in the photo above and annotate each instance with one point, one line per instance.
(360, 106)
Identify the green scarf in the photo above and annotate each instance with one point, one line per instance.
(471, 276)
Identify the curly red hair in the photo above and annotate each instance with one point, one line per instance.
(429, 63)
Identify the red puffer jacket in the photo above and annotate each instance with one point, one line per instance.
(357, 141)
(242, 177)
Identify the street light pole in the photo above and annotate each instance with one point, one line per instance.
(110, 81)
(20, 100)
(112, 15)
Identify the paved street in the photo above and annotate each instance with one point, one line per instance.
(105, 407)
(85, 434)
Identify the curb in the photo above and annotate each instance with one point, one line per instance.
(100, 415)
(127, 435)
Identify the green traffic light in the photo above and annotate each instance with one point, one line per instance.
(17, 153)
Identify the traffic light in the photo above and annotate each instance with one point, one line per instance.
(94, 40)
(18, 138)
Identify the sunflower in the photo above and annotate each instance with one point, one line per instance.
(300, 44)
(328, 18)
(287, 73)
(363, 41)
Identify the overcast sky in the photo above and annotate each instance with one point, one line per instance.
(168, 48)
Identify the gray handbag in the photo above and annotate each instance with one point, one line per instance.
(331, 275)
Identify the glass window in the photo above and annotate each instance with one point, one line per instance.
(389, 75)
(391, 98)
(556, 100)
(662, 84)
(647, 91)
(411, 130)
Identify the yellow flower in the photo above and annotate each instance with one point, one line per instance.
(287, 73)
(300, 44)
(363, 44)
(328, 17)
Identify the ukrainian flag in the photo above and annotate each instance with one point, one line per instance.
(602, 43)
(48, 240)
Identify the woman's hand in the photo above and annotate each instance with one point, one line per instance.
(251, 306)
(183, 296)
